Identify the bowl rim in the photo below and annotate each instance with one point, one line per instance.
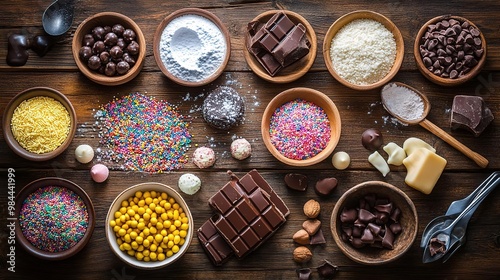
(28, 94)
(193, 11)
(59, 182)
(100, 78)
(446, 81)
(311, 95)
(311, 56)
(336, 211)
(110, 236)
(363, 14)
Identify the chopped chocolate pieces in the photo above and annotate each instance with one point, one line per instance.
(436, 246)
(327, 270)
(318, 238)
(277, 43)
(470, 113)
(296, 181)
(304, 273)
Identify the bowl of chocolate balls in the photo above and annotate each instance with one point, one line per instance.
(109, 48)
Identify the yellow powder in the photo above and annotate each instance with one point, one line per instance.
(40, 124)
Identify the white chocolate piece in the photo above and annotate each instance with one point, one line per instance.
(379, 162)
(341, 160)
(413, 143)
(189, 183)
(84, 153)
(396, 154)
(241, 149)
(99, 173)
(204, 157)
(424, 169)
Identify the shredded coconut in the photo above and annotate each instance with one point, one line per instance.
(403, 102)
(363, 51)
(192, 47)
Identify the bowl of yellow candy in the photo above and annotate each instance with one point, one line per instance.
(149, 226)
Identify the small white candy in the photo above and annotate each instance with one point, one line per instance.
(189, 183)
(341, 160)
(204, 157)
(241, 149)
(379, 162)
(84, 153)
(396, 154)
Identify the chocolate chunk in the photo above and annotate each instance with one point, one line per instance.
(17, 53)
(384, 208)
(348, 215)
(395, 215)
(318, 238)
(372, 139)
(396, 228)
(374, 228)
(304, 273)
(327, 270)
(367, 236)
(357, 243)
(296, 181)
(324, 187)
(366, 216)
(436, 246)
(214, 245)
(388, 240)
(470, 113)
(41, 44)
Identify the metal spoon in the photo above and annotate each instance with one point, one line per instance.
(456, 207)
(455, 231)
(58, 17)
(422, 121)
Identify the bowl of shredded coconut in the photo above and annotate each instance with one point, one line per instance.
(192, 47)
(363, 50)
(39, 123)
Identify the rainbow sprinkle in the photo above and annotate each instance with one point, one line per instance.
(53, 219)
(299, 129)
(144, 133)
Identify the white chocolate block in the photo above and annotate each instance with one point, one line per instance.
(424, 169)
(379, 162)
(413, 143)
(396, 154)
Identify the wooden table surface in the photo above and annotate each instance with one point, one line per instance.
(480, 256)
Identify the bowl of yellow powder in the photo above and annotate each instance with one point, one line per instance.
(39, 123)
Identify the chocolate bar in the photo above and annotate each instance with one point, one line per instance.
(278, 43)
(248, 212)
(470, 113)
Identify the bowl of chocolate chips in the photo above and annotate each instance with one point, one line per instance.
(109, 48)
(374, 223)
(449, 50)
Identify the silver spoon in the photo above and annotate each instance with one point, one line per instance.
(456, 207)
(58, 17)
(395, 109)
(459, 224)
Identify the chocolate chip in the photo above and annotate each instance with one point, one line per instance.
(318, 238)
(366, 216)
(388, 240)
(296, 181)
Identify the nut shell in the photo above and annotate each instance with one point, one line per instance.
(302, 254)
(301, 237)
(312, 209)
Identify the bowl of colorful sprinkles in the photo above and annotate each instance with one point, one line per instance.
(363, 50)
(56, 218)
(149, 226)
(26, 129)
(301, 126)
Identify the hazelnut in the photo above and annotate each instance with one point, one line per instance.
(88, 40)
(311, 226)
(302, 254)
(122, 67)
(85, 53)
(301, 237)
(311, 209)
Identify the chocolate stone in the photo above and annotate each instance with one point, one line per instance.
(365, 216)
(17, 53)
(304, 273)
(367, 236)
(470, 113)
(324, 187)
(372, 139)
(388, 240)
(327, 270)
(296, 181)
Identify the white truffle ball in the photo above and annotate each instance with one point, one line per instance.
(341, 160)
(204, 157)
(189, 183)
(84, 153)
(241, 149)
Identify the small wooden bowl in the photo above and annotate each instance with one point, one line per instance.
(190, 11)
(57, 182)
(408, 221)
(109, 19)
(316, 97)
(14, 103)
(363, 14)
(293, 71)
(437, 79)
(130, 192)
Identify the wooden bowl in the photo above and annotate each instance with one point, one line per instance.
(316, 97)
(157, 42)
(27, 94)
(437, 79)
(58, 182)
(293, 71)
(108, 19)
(115, 206)
(408, 220)
(363, 14)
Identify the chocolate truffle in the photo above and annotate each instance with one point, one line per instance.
(372, 139)
(241, 149)
(204, 157)
(223, 108)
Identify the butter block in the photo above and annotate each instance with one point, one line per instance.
(379, 162)
(413, 143)
(424, 169)
(396, 154)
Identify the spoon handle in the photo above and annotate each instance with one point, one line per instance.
(477, 158)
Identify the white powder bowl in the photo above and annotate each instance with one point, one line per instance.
(388, 73)
(191, 47)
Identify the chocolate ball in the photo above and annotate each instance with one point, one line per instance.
(104, 56)
(129, 35)
(107, 29)
(110, 39)
(88, 40)
(94, 62)
(41, 44)
(110, 69)
(98, 47)
(98, 33)
(129, 59)
(121, 43)
(118, 29)
(133, 48)
(372, 139)
(122, 67)
(116, 52)
(85, 53)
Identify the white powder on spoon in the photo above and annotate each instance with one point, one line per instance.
(192, 47)
(403, 102)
